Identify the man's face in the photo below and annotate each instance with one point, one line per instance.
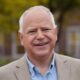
(39, 36)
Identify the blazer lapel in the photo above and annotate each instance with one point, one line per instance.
(63, 68)
(22, 72)
(62, 64)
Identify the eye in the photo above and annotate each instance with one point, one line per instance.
(46, 29)
(31, 31)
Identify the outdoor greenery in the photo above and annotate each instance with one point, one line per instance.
(4, 61)
(10, 11)
(61, 7)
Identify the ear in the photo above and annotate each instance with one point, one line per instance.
(56, 33)
(56, 30)
(20, 35)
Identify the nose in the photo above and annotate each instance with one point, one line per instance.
(40, 35)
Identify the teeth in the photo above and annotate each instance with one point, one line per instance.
(41, 44)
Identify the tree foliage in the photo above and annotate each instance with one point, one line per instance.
(10, 12)
(62, 7)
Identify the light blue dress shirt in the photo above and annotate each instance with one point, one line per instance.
(51, 74)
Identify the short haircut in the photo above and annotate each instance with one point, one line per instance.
(21, 20)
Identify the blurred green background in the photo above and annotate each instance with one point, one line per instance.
(67, 17)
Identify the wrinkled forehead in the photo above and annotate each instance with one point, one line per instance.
(36, 16)
(36, 11)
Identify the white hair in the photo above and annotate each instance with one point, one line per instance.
(21, 20)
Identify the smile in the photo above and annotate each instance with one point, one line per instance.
(41, 44)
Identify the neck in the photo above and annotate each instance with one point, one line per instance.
(42, 63)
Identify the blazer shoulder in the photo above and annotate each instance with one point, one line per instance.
(68, 58)
(7, 72)
(9, 67)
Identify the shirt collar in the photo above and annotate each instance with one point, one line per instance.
(32, 66)
(53, 62)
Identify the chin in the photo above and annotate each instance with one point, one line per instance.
(42, 53)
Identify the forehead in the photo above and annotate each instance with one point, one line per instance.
(36, 15)
(37, 18)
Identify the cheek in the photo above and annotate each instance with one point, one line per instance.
(53, 38)
(28, 40)
(26, 44)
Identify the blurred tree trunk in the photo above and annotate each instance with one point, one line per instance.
(62, 7)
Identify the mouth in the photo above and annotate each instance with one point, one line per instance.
(41, 44)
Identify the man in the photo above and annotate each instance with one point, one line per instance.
(38, 35)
